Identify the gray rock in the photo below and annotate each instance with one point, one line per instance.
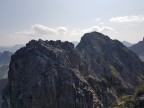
(54, 74)
(46, 74)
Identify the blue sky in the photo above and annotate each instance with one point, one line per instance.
(21, 21)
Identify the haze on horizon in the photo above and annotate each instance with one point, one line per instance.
(22, 21)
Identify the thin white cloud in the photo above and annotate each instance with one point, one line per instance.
(106, 28)
(99, 29)
(41, 29)
(97, 19)
(101, 23)
(62, 30)
(61, 33)
(37, 30)
(54, 33)
(128, 19)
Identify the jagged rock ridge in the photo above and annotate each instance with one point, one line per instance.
(54, 74)
(46, 74)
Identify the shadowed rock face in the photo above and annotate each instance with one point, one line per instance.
(54, 74)
(3, 83)
(138, 48)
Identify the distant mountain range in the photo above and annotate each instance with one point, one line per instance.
(5, 58)
(138, 48)
(127, 44)
(10, 48)
(75, 43)
(4, 63)
(16, 47)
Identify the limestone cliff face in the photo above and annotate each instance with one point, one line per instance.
(54, 74)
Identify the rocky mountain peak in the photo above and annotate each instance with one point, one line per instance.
(54, 74)
(94, 38)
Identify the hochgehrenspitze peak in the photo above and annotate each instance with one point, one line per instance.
(99, 42)
(94, 36)
(94, 39)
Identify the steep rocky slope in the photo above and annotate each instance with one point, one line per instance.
(131, 101)
(47, 75)
(54, 74)
(138, 49)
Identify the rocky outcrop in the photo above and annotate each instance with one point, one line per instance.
(54, 74)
